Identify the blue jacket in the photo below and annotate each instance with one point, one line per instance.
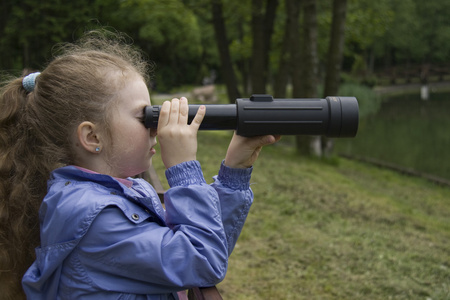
(103, 240)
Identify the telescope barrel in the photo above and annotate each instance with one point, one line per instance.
(261, 115)
(218, 116)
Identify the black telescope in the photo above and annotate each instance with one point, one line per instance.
(261, 115)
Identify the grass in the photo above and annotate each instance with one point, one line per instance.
(335, 231)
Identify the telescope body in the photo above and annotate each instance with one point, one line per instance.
(262, 115)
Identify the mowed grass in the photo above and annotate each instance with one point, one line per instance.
(340, 230)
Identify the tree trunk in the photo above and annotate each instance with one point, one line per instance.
(296, 55)
(334, 63)
(224, 52)
(310, 59)
(290, 37)
(243, 64)
(336, 48)
(305, 77)
(262, 29)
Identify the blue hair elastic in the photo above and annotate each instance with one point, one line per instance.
(29, 81)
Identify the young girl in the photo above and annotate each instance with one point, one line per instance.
(100, 234)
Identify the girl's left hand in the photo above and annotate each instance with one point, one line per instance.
(243, 151)
(178, 140)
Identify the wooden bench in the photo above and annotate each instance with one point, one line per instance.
(197, 293)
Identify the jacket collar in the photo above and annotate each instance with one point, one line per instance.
(79, 174)
(139, 192)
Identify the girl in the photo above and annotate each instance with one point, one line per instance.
(71, 138)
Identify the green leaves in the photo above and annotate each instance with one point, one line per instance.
(162, 24)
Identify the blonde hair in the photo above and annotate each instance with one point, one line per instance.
(35, 127)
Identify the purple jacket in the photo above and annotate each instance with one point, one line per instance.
(103, 240)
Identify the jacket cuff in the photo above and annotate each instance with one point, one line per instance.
(184, 174)
(236, 179)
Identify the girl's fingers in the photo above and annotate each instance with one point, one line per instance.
(184, 111)
(243, 151)
(164, 114)
(174, 111)
(269, 139)
(201, 112)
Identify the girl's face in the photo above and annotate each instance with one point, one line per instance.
(132, 144)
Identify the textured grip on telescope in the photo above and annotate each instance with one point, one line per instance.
(332, 117)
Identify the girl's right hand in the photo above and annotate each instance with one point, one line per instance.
(244, 151)
(177, 139)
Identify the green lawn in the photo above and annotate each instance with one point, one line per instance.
(344, 230)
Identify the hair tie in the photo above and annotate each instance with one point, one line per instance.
(29, 81)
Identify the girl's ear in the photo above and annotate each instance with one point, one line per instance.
(88, 137)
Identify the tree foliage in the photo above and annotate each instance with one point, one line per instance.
(30, 29)
(169, 32)
(178, 35)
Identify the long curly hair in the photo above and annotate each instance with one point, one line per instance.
(35, 129)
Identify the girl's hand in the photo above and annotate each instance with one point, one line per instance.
(243, 151)
(178, 140)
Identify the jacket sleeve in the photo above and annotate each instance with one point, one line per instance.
(236, 197)
(234, 193)
(147, 258)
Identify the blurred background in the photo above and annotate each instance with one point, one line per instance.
(393, 55)
(324, 225)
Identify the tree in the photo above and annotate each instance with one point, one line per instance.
(30, 28)
(418, 33)
(262, 29)
(336, 48)
(435, 29)
(334, 62)
(308, 79)
(222, 45)
(366, 24)
(305, 80)
(168, 32)
(289, 48)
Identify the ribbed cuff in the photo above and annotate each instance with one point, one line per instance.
(186, 173)
(236, 179)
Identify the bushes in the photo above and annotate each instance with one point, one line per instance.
(369, 101)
